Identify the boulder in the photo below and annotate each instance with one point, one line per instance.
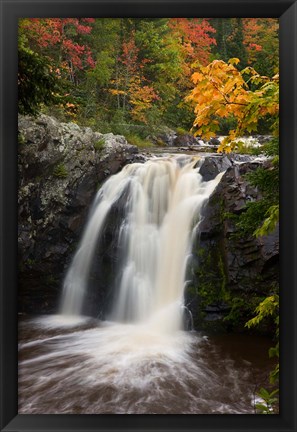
(185, 140)
(165, 138)
(213, 165)
(214, 141)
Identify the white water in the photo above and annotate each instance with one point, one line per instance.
(78, 366)
(162, 210)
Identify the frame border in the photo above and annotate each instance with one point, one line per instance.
(10, 12)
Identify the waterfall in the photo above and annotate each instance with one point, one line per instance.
(163, 202)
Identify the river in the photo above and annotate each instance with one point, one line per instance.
(92, 367)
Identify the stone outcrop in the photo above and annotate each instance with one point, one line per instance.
(60, 168)
(228, 265)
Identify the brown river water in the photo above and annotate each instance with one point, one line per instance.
(85, 366)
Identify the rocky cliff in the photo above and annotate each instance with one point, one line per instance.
(61, 166)
(232, 273)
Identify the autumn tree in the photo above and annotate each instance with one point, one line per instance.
(196, 38)
(59, 40)
(222, 91)
(162, 63)
(131, 87)
(37, 85)
(51, 57)
(262, 44)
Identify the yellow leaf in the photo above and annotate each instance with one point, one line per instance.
(234, 61)
(197, 77)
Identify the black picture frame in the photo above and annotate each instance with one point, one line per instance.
(286, 11)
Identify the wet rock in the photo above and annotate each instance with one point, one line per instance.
(263, 139)
(213, 165)
(214, 141)
(60, 167)
(227, 264)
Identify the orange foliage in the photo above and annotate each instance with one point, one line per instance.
(195, 35)
(257, 33)
(46, 33)
(221, 91)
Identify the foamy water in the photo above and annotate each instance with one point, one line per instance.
(94, 367)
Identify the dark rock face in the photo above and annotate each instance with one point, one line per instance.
(60, 167)
(227, 265)
(213, 165)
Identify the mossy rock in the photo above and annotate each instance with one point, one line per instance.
(99, 145)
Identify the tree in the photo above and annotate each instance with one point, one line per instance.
(196, 39)
(132, 88)
(51, 58)
(59, 40)
(262, 44)
(237, 48)
(37, 84)
(229, 39)
(222, 91)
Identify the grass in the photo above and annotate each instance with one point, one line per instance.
(98, 146)
(138, 141)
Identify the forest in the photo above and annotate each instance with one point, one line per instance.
(96, 96)
(133, 75)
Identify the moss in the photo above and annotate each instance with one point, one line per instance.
(211, 276)
(98, 146)
(222, 272)
(21, 139)
(60, 171)
(50, 279)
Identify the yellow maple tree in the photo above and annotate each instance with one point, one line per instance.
(222, 91)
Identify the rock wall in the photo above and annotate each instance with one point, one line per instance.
(60, 168)
(231, 273)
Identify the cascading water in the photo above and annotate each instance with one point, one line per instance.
(140, 361)
(163, 205)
